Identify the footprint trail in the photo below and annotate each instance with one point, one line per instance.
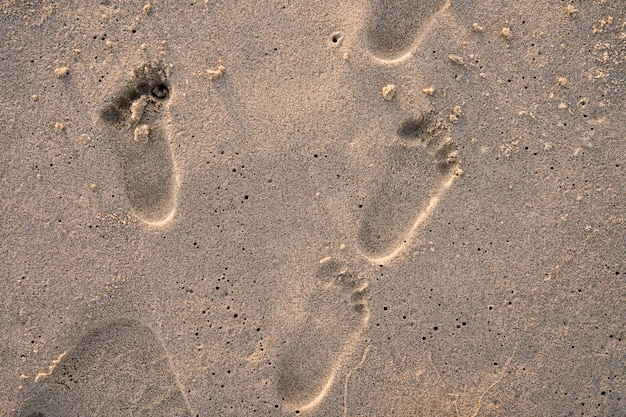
(420, 166)
(118, 368)
(136, 125)
(337, 314)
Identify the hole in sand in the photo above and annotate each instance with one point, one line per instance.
(160, 91)
(336, 38)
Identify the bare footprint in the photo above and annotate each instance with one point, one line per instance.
(136, 126)
(420, 165)
(309, 361)
(393, 26)
(118, 368)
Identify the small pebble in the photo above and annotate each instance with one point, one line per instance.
(389, 91)
(61, 72)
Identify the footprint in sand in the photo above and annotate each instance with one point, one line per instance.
(394, 26)
(421, 161)
(337, 313)
(137, 129)
(118, 368)
(420, 166)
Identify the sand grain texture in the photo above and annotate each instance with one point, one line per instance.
(373, 208)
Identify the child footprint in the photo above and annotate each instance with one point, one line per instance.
(420, 166)
(393, 26)
(136, 126)
(337, 314)
(117, 368)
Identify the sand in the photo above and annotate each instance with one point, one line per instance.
(362, 208)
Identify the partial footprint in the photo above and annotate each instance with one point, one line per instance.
(118, 368)
(419, 167)
(393, 26)
(136, 124)
(337, 312)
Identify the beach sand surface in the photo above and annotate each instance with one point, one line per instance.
(359, 208)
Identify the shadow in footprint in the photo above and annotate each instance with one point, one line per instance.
(118, 368)
(419, 167)
(136, 127)
(393, 26)
(309, 361)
